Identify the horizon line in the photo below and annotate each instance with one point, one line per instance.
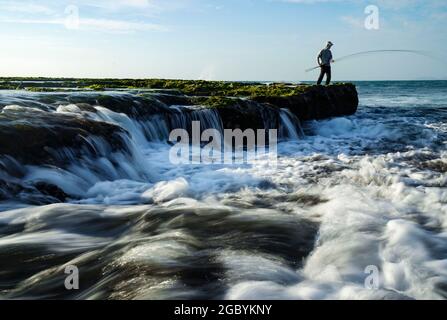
(3, 78)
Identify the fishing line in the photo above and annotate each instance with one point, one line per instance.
(422, 53)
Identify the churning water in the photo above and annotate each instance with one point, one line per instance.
(353, 192)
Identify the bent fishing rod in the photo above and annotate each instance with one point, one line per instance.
(423, 53)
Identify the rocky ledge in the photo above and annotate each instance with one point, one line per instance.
(318, 102)
(86, 126)
(32, 132)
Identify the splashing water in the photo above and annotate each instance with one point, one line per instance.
(350, 193)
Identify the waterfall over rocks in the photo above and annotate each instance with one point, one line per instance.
(64, 143)
(86, 180)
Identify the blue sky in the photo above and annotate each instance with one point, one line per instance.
(219, 39)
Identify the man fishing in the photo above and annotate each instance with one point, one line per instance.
(324, 60)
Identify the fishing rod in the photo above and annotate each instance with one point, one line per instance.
(423, 53)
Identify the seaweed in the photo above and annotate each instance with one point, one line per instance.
(194, 88)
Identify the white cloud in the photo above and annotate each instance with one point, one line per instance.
(119, 25)
(353, 21)
(117, 4)
(25, 7)
(144, 6)
(103, 7)
(90, 14)
(386, 4)
(107, 25)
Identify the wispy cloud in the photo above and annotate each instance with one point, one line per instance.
(144, 7)
(386, 4)
(97, 15)
(355, 22)
(25, 7)
(107, 25)
(119, 4)
(120, 25)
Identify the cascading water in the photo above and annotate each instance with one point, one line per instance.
(95, 189)
(94, 161)
(290, 126)
(184, 116)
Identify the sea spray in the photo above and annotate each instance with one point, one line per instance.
(355, 194)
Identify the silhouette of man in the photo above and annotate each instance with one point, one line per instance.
(324, 60)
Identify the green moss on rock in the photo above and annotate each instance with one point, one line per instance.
(186, 87)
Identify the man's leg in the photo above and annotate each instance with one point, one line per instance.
(320, 79)
(328, 75)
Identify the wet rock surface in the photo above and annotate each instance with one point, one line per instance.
(33, 137)
(33, 133)
(319, 102)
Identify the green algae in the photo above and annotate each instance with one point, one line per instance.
(187, 87)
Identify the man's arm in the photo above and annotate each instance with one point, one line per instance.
(319, 61)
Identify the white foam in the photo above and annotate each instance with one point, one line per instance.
(378, 207)
(20, 108)
(69, 108)
(167, 190)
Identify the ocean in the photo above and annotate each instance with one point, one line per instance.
(355, 208)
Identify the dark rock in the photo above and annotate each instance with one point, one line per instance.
(86, 107)
(9, 189)
(319, 102)
(135, 106)
(10, 167)
(51, 190)
(138, 107)
(243, 114)
(315, 103)
(172, 100)
(32, 137)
